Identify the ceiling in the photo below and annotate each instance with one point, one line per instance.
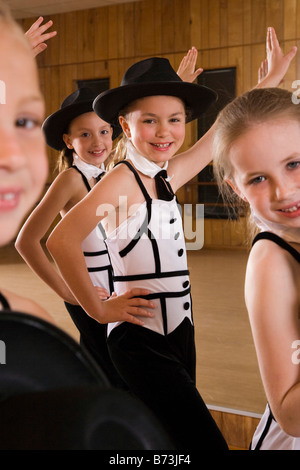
(35, 8)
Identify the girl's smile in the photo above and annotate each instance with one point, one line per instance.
(9, 198)
(162, 147)
(292, 211)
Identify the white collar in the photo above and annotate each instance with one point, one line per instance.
(289, 234)
(142, 164)
(90, 171)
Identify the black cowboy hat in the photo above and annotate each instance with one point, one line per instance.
(55, 125)
(151, 77)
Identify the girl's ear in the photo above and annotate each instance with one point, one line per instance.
(66, 139)
(235, 189)
(125, 126)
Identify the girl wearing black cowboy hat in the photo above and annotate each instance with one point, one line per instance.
(85, 144)
(146, 245)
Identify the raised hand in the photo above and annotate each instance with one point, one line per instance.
(37, 38)
(262, 71)
(186, 69)
(277, 62)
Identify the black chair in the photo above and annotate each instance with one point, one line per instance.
(54, 397)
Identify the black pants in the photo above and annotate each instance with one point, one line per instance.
(160, 370)
(93, 338)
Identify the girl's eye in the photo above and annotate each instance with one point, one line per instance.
(27, 123)
(257, 180)
(293, 165)
(104, 132)
(149, 121)
(85, 134)
(174, 120)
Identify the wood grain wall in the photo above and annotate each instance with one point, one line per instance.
(104, 42)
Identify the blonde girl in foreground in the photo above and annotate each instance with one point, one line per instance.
(256, 152)
(156, 357)
(23, 160)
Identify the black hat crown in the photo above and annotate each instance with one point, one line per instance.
(151, 70)
(151, 77)
(79, 102)
(81, 95)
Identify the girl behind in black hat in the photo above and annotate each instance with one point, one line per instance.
(85, 143)
(146, 245)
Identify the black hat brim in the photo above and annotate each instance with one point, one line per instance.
(197, 98)
(57, 123)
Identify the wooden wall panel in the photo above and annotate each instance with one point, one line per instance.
(237, 429)
(104, 42)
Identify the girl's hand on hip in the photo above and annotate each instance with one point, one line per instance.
(127, 307)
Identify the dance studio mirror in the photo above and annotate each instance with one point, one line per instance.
(230, 37)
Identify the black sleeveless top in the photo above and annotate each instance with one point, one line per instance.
(279, 241)
(296, 255)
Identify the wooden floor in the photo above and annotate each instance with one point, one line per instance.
(227, 372)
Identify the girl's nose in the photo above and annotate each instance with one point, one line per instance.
(97, 139)
(282, 190)
(163, 129)
(12, 156)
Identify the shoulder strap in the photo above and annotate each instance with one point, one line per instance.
(4, 302)
(279, 241)
(138, 179)
(144, 226)
(83, 177)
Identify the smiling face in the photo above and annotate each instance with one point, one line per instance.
(266, 170)
(156, 127)
(23, 161)
(90, 137)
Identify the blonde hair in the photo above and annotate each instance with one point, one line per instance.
(254, 107)
(7, 20)
(65, 160)
(118, 152)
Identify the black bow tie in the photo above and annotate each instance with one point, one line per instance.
(163, 187)
(98, 178)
